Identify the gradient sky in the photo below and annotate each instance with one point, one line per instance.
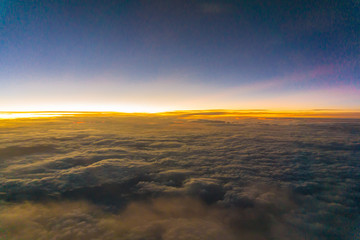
(168, 54)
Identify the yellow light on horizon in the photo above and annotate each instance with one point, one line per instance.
(31, 115)
(128, 108)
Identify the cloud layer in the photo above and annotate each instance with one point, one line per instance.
(169, 177)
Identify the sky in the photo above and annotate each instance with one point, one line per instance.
(161, 55)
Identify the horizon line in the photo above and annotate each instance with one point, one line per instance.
(195, 110)
(201, 114)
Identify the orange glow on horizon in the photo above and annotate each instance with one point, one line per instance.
(260, 114)
(59, 108)
(15, 115)
(266, 114)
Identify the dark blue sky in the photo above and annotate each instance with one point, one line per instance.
(178, 54)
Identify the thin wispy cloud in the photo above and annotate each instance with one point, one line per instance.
(214, 8)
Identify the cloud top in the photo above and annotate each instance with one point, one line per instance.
(173, 176)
